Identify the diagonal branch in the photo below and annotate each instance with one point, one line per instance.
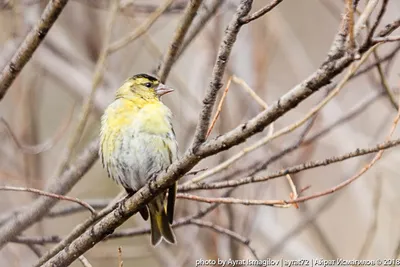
(260, 12)
(30, 44)
(219, 68)
(180, 33)
(42, 205)
(48, 194)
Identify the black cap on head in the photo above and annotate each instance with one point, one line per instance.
(146, 76)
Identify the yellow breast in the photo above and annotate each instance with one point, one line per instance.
(125, 118)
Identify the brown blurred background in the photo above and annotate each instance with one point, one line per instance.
(272, 55)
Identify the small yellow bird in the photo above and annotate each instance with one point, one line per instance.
(137, 141)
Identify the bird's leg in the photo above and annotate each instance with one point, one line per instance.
(130, 192)
(152, 180)
(143, 211)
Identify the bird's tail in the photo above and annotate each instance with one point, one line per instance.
(160, 226)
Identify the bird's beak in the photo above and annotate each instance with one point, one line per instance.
(163, 89)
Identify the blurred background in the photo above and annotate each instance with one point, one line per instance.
(272, 54)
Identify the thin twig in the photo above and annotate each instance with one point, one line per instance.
(219, 109)
(224, 231)
(199, 24)
(371, 232)
(291, 170)
(355, 110)
(39, 148)
(48, 194)
(77, 231)
(350, 23)
(256, 97)
(260, 12)
(30, 44)
(378, 19)
(293, 193)
(386, 39)
(84, 261)
(120, 261)
(97, 77)
(59, 185)
(140, 30)
(384, 82)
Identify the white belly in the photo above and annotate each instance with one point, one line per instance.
(139, 157)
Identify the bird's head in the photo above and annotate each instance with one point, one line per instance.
(143, 87)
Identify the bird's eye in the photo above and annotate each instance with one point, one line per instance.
(147, 85)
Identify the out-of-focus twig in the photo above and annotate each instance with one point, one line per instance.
(120, 261)
(48, 194)
(384, 82)
(356, 110)
(84, 261)
(30, 44)
(227, 232)
(202, 20)
(350, 23)
(139, 31)
(219, 109)
(39, 148)
(371, 232)
(59, 185)
(77, 231)
(389, 28)
(97, 77)
(362, 20)
(378, 19)
(177, 40)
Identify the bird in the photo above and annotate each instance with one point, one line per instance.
(137, 141)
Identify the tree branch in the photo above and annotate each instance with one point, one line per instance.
(30, 44)
(59, 185)
(218, 71)
(180, 33)
(260, 12)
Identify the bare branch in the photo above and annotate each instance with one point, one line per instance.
(202, 20)
(139, 31)
(59, 185)
(218, 72)
(48, 194)
(30, 44)
(260, 12)
(219, 109)
(97, 78)
(291, 170)
(180, 33)
(39, 148)
(77, 231)
(227, 232)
